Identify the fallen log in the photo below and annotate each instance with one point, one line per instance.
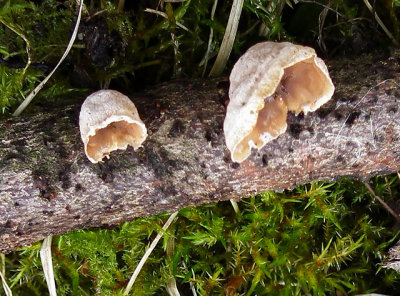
(49, 187)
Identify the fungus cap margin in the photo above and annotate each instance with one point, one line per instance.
(109, 121)
(255, 77)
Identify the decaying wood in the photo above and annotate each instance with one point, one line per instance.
(49, 187)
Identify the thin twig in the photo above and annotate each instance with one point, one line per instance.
(88, 18)
(321, 19)
(210, 38)
(30, 97)
(327, 7)
(359, 102)
(386, 206)
(148, 252)
(377, 18)
(177, 71)
(28, 47)
(164, 15)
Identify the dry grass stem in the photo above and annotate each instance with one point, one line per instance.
(385, 205)
(147, 254)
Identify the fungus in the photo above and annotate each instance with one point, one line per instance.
(109, 121)
(269, 80)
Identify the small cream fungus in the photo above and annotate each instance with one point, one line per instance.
(109, 121)
(269, 80)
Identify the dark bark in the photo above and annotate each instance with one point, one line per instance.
(49, 187)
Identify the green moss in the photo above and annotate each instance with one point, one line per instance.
(135, 48)
(317, 239)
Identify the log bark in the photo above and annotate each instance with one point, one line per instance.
(49, 187)
(392, 259)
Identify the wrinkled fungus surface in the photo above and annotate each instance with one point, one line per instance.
(269, 80)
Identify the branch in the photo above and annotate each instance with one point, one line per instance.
(48, 186)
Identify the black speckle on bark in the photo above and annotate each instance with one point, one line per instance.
(352, 117)
(201, 116)
(106, 172)
(224, 84)
(48, 213)
(64, 177)
(209, 136)
(13, 155)
(9, 224)
(235, 165)
(177, 129)
(392, 110)
(374, 98)
(116, 197)
(61, 150)
(323, 112)
(350, 99)
(300, 116)
(295, 130)
(78, 187)
(227, 159)
(223, 90)
(19, 143)
(42, 182)
(264, 159)
(168, 190)
(158, 159)
(212, 136)
(340, 159)
(338, 115)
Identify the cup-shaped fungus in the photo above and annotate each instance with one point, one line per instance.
(109, 121)
(269, 80)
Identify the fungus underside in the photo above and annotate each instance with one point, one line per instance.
(116, 135)
(299, 89)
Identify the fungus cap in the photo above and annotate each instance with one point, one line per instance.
(269, 80)
(109, 121)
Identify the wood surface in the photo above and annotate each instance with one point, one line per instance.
(48, 186)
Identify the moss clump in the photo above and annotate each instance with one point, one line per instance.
(145, 43)
(322, 239)
(318, 239)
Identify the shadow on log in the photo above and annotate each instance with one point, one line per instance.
(48, 186)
